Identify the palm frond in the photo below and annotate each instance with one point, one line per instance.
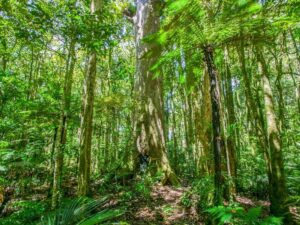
(82, 211)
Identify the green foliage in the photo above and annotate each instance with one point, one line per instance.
(82, 212)
(26, 212)
(143, 188)
(252, 179)
(168, 209)
(128, 196)
(204, 188)
(34, 43)
(186, 200)
(238, 215)
(177, 5)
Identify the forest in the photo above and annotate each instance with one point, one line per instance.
(158, 112)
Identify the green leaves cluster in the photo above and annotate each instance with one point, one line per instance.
(238, 215)
(82, 212)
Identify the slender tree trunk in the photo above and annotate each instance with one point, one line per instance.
(281, 105)
(231, 140)
(62, 131)
(29, 90)
(149, 130)
(86, 126)
(296, 84)
(256, 117)
(216, 123)
(107, 144)
(174, 135)
(52, 158)
(295, 47)
(4, 57)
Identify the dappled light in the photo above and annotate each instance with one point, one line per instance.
(155, 112)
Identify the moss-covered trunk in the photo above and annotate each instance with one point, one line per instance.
(149, 130)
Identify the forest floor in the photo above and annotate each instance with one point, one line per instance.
(155, 204)
(163, 207)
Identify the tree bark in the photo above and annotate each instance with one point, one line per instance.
(277, 188)
(203, 119)
(231, 140)
(256, 117)
(216, 123)
(62, 131)
(149, 130)
(86, 126)
(4, 57)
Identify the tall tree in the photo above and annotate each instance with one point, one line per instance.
(231, 139)
(86, 126)
(62, 132)
(218, 147)
(149, 130)
(277, 189)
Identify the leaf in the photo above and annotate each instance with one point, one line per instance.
(3, 168)
(226, 218)
(182, 79)
(272, 221)
(102, 217)
(242, 2)
(80, 211)
(255, 8)
(162, 38)
(177, 5)
(253, 214)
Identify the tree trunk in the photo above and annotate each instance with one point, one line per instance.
(277, 187)
(4, 57)
(231, 140)
(174, 135)
(203, 125)
(62, 131)
(149, 130)
(86, 126)
(256, 117)
(216, 122)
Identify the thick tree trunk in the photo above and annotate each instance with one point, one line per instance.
(62, 131)
(277, 186)
(203, 125)
(149, 130)
(216, 122)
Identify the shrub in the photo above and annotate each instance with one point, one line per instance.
(82, 212)
(28, 212)
(239, 216)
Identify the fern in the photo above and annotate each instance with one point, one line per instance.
(102, 217)
(239, 216)
(82, 212)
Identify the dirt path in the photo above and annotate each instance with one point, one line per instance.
(163, 207)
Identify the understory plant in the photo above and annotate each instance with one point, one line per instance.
(82, 212)
(237, 215)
